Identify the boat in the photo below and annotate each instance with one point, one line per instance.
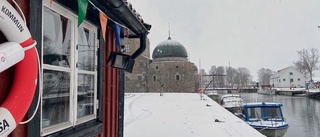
(313, 90)
(231, 102)
(213, 94)
(267, 118)
(266, 90)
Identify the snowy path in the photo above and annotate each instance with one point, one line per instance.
(180, 115)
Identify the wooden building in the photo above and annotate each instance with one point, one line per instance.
(81, 95)
(288, 77)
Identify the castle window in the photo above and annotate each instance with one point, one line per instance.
(127, 78)
(291, 73)
(154, 78)
(177, 77)
(139, 77)
(177, 66)
(127, 48)
(141, 64)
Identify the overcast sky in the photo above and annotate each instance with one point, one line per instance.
(246, 33)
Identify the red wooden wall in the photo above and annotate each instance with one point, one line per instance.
(110, 96)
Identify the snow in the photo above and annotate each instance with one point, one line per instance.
(180, 115)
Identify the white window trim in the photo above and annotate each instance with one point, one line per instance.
(73, 120)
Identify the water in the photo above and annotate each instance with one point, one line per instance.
(301, 113)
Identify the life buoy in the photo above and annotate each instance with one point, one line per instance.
(21, 94)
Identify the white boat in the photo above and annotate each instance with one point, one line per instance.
(231, 102)
(266, 118)
(213, 94)
(313, 92)
(266, 90)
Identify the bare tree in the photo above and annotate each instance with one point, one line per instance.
(264, 75)
(220, 79)
(244, 76)
(204, 80)
(308, 59)
(213, 69)
(230, 75)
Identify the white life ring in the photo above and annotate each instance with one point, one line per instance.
(21, 94)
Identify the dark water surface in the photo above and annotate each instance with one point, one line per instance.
(301, 113)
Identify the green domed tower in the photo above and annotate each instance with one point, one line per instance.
(169, 48)
(170, 69)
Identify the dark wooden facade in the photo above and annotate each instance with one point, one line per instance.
(110, 80)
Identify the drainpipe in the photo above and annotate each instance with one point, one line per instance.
(140, 50)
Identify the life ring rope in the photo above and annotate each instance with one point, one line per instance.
(30, 46)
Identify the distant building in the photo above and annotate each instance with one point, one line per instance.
(287, 77)
(170, 70)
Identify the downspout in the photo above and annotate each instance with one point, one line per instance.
(140, 50)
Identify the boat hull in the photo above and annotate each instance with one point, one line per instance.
(267, 92)
(273, 132)
(233, 109)
(214, 97)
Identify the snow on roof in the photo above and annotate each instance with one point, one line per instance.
(180, 115)
(279, 72)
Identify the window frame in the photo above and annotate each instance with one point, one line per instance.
(73, 120)
(178, 77)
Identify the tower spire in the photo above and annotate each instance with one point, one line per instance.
(169, 31)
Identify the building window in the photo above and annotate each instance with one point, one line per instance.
(141, 64)
(279, 80)
(177, 66)
(154, 78)
(139, 78)
(124, 48)
(284, 80)
(69, 70)
(291, 73)
(298, 79)
(291, 80)
(127, 48)
(177, 77)
(127, 78)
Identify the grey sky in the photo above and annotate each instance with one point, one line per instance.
(248, 33)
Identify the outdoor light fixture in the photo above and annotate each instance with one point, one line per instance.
(121, 61)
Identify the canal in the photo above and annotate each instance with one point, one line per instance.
(301, 113)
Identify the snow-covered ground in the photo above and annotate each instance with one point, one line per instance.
(180, 115)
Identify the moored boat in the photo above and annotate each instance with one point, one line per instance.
(231, 102)
(266, 90)
(266, 118)
(313, 93)
(213, 94)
